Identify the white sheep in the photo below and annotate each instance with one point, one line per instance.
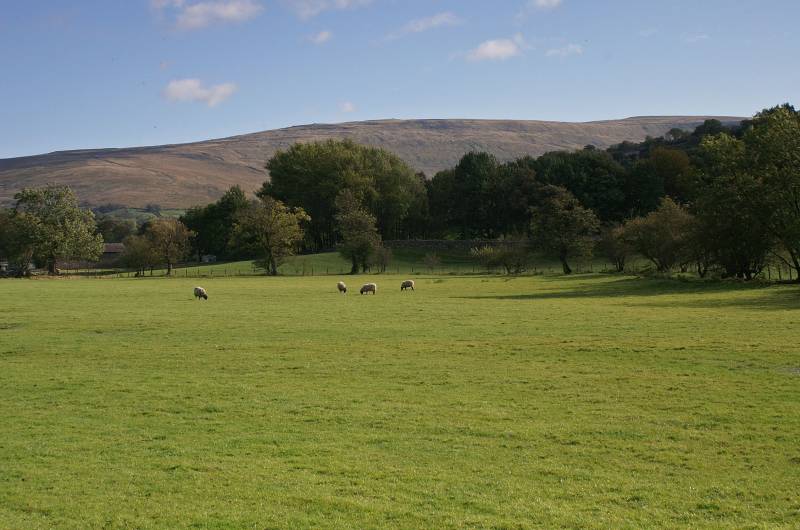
(408, 284)
(369, 288)
(199, 293)
(342, 287)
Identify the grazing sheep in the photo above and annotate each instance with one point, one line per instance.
(369, 288)
(342, 287)
(408, 284)
(199, 293)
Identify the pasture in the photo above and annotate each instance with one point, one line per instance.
(474, 402)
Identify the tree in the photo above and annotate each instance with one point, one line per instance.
(270, 229)
(213, 224)
(470, 207)
(59, 228)
(662, 236)
(311, 175)
(139, 254)
(382, 257)
(513, 256)
(360, 238)
(18, 236)
(115, 230)
(615, 246)
(773, 151)
(561, 226)
(732, 208)
(593, 177)
(170, 240)
(673, 168)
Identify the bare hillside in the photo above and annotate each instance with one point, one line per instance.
(177, 176)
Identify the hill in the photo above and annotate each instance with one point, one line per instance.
(178, 176)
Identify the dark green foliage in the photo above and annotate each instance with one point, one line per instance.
(213, 225)
(359, 234)
(513, 256)
(562, 227)
(115, 230)
(732, 208)
(773, 152)
(593, 177)
(311, 175)
(615, 246)
(662, 236)
(139, 254)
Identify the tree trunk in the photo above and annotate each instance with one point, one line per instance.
(51, 266)
(273, 267)
(565, 265)
(169, 268)
(354, 267)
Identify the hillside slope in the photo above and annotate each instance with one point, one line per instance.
(177, 176)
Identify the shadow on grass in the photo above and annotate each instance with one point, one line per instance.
(758, 295)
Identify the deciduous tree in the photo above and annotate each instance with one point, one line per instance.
(270, 229)
(170, 240)
(59, 227)
(561, 226)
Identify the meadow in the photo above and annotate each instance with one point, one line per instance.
(592, 401)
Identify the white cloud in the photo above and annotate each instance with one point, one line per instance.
(196, 15)
(321, 38)
(347, 107)
(649, 32)
(306, 9)
(181, 90)
(202, 14)
(424, 24)
(497, 50)
(569, 49)
(544, 4)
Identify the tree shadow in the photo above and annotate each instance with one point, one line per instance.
(764, 296)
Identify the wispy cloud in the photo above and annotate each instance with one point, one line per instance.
(183, 90)
(565, 51)
(425, 24)
(197, 15)
(306, 9)
(537, 5)
(648, 32)
(497, 49)
(347, 107)
(544, 4)
(321, 38)
(694, 39)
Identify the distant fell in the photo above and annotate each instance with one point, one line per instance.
(182, 175)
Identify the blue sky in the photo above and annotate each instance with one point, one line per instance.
(113, 73)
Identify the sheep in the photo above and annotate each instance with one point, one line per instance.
(408, 284)
(369, 288)
(199, 293)
(342, 287)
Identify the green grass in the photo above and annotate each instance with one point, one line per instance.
(474, 402)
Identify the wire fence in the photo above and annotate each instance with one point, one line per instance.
(773, 272)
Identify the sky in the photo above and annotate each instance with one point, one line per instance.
(116, 73)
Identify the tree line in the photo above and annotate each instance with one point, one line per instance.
(723, 198)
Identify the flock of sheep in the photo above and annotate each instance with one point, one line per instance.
(367, 288)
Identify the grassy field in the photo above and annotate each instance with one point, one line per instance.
(473, 402)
